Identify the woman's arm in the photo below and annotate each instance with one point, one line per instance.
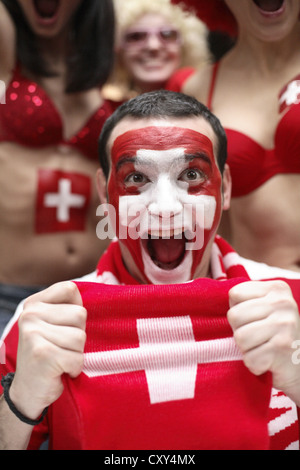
(7, 44)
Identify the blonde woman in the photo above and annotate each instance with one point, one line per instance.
(154, 40)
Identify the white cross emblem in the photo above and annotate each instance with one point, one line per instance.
(169, 355)
(291, 94)
(64, 200)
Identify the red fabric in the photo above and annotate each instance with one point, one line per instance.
(30, 118)
(229, 409)
(132, 412)
(176, 82)
(214, 13)
(230, 406)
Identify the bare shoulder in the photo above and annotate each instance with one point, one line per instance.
(198, 84)
(7, 43)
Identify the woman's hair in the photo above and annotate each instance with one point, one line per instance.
(161, 104)
(194, 33)
(90, 58)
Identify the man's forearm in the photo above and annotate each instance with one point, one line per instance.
(14, 434)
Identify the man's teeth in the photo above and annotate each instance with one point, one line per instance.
(166, 233)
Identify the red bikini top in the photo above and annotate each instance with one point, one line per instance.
(30, 118)
(251, 165)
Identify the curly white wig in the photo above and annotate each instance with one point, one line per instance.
(195, 49)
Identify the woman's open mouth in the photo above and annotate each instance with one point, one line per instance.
(270, 6)
(166, 253)
(46, 9)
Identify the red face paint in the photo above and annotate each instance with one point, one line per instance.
(62, 201)
(199, 156)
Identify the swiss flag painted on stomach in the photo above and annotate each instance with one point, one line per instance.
(162, 371)
(62, 201)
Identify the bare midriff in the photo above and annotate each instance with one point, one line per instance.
(30, 258)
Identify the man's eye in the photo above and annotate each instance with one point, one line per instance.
(136, 179)
(192, 175)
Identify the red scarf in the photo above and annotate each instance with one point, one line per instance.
(161, 369)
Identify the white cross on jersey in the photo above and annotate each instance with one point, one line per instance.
(291, 94)
(169, 355)
(64, 200)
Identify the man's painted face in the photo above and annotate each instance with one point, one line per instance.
(166, 189)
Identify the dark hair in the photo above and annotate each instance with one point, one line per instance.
(161, 104)
(90, 59)
(219, 43)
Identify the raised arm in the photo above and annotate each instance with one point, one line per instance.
(51, 343)
(265, 320)
(7, 44)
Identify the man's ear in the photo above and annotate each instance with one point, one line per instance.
(101, 184)
(226, 187)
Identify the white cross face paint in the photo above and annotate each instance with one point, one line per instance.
(168, 198)
(164, 207)
(163, 210)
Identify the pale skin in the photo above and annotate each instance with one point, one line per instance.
(72, 253)
(263, 225)
(151, 65)
(263, 315)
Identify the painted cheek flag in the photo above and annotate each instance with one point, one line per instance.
(162, 371)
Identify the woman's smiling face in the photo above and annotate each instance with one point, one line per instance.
(268, 20)
(151, 51)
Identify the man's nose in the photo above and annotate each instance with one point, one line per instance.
(165, 201)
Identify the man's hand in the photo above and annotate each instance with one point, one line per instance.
(51, 343)
(265, 321)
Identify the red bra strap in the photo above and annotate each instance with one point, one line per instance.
(212, 85)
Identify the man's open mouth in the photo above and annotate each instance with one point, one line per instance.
(166, 253)
(46, 9)
(269, 6)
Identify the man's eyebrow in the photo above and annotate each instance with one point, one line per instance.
(123, 160)
(187, 157)
(192, 156)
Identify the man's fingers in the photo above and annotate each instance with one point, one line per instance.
(254, 334)
(255, 289)
(60, 293)
(248, 311)
(65, 315)
(65, 337)
(56, 360)
(259, 360)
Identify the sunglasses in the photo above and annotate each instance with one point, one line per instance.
(137, 38)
